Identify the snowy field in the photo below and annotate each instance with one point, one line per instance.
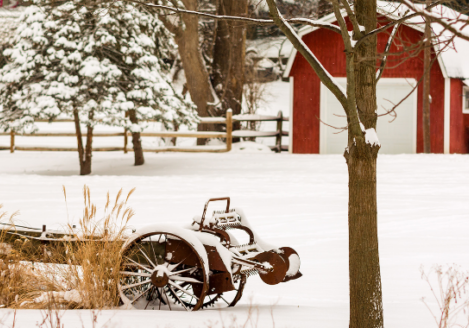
(291, 200)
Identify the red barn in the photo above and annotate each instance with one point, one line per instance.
(449, 109)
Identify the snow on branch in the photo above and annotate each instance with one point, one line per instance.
(386, 50)
(357, 29)
(447, 23)
(394, 22)
(303, 21)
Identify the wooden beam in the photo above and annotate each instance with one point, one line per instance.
(212, 120)
(278, 139)
(185, 134)
(229, 129)
(126, 141)
(197, 149)
(67, 134)
(12, 141)
(65, 149)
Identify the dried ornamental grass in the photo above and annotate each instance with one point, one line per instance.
(82, 271)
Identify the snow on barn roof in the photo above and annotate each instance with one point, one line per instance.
(454, 61)
(270, 47)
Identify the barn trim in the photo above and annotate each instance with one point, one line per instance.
(290, 137)
(447, 117)
(465, 98)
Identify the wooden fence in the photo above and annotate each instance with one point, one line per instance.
(228, 135)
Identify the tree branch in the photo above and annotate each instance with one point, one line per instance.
(298, 43)
(353, 19)
(439, 20)
(343, 26)
(352, 113)
(386, 50)
(401, 20)
(303, 21)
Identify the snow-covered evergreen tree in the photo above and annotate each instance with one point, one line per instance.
(99, 62)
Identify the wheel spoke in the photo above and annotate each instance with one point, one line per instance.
(180, 271)
(152, 289)
(136, 284)
(167, 299)
(141, 294)
(171, 267)
(182, 303)
(138, 264)
(154, 253)
(146, 256)
(182, 289)
(138, 274)
(160, 297)
(224, 300)
(186, 279)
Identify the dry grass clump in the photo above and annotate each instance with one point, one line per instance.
(13, 274)
(82, 270)
(451, 295)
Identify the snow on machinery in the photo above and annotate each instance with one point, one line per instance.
(201, 265)
(170, 268)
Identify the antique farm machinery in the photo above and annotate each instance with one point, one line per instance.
(170, 268)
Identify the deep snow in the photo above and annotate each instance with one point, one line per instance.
(291, 200)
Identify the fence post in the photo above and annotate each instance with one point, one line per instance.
(229, 129)
(125, 141)
(278, 140)
(12, 141)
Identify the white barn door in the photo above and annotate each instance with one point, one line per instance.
(396, 137)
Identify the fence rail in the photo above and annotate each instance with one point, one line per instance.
(228, 135)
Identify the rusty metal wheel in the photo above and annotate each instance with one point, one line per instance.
(164, 269)
(220, 300)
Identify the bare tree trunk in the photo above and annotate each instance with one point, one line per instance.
(136, 141)
(198, 82)
(426, 88)
(84, 153)
(366, 307)
(229, 56)
(86, 169)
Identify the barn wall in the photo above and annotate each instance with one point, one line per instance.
(306, 96)
(305, 110)
(459, 122)
(328, 48)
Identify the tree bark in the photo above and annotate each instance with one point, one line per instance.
(84, 153)
(136, 141)
(198, 81)
(366, 306)
(426, 88)
(229, 56)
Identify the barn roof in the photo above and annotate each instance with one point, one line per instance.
(454, 61)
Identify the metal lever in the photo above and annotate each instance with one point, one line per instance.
(206, 206)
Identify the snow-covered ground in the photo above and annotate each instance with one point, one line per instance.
(291, 200)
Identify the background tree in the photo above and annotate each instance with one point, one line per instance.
(186, 34)
(229, 52)
(94, 63)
